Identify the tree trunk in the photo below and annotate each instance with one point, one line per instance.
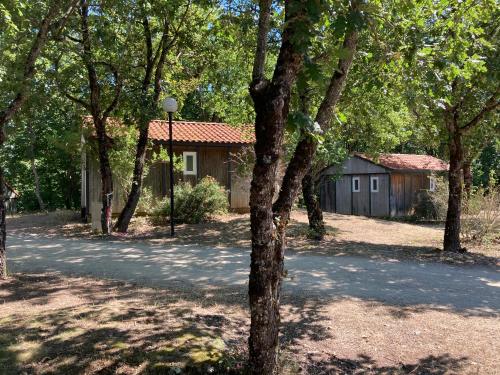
(271, 103)
(135, 191)
(3, 231)
(106, 178)
(467, 173)
(314, 212)
(452, 227)
(31, 134)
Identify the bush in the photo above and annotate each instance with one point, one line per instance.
(481, 216)
(146, 204)
(195, 204)
(432, 205)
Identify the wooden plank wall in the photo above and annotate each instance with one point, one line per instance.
(404, 189)
(361, 199)
(343, 196)
(327, 193)
(119, 197)
(380, 200)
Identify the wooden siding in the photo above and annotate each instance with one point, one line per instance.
(211, 161)
(355, 165)
(343, 195)
(379, 201)
(94, 185)
(327, 193)
(404, 189)
(361, 199)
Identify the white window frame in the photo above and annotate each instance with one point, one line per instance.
(374, 178)
(185, 154)
(432, 183)
(354, 190)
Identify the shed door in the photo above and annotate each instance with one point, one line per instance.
(361, 198)
(327, 193)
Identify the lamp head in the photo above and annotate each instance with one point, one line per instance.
(169, 105)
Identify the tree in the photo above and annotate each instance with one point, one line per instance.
(153, 58)
(98, 105)
(454, 75)
(269, 219)
(52, 21)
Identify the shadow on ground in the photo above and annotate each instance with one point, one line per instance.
(62, 325)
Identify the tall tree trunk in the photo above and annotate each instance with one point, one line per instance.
(99, 116)
(135, 190)
(3, 229)
(467, 173)
(452, 226)
(106, 178)
(147, 111)
(271, 103)
(36, 179)
(314, 212)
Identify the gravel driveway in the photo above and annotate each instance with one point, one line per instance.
(472, 289)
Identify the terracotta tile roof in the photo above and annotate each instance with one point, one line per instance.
(201, 132)
(190, 131)
(408, 162)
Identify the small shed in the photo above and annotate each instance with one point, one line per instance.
(206, 149)
(385, 186)
(10, 196)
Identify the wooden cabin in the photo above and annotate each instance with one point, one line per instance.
(385, 186)
(206, 149)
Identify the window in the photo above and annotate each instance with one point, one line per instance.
(355, 184)
(432, 183)
(189, 161)
(374, 184)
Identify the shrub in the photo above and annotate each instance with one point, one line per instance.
(481, 216)
(432, 205)
(195, 204)
(146, 204)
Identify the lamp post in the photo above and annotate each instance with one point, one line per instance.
(170, 106)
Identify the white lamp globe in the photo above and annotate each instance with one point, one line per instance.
(170, 105)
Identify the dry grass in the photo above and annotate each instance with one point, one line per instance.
(69, 325)
(346, 235)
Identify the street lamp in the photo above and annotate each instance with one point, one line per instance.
(170, 106)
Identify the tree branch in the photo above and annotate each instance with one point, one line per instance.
(491, 104)
(339, 76)
(149, 54)
(83, 103)
(260, 52)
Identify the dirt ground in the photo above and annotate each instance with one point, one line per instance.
(72, 325)
(346, 235)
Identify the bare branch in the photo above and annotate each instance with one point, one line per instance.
(78, 100)
(491, 104)
(118, 89)
(260, 51)
(339, 76)
(149, 54)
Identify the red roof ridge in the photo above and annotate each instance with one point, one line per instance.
(407, 161)
(189, 131)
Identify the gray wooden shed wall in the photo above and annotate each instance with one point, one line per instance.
(396, 196)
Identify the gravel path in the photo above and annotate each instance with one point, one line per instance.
(472, 290)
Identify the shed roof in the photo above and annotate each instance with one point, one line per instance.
(408, 162)
(190, 131)
(201, 132)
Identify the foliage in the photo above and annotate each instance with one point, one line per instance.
(195, 204)
(432, 205)
(486, 168)
(481, 219)
(147, 202)
(55, 146)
